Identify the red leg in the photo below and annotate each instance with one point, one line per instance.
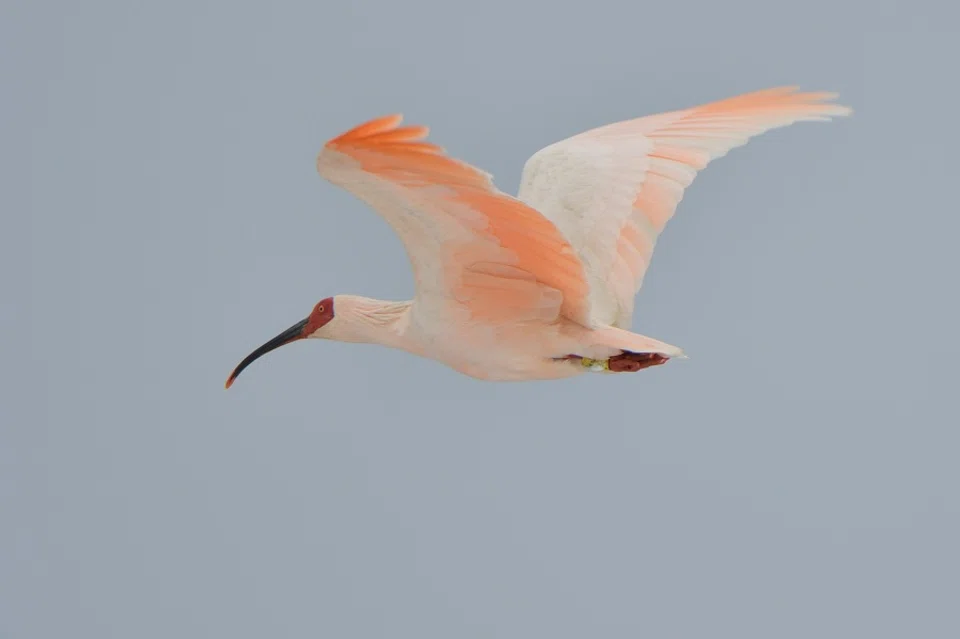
(628, 362)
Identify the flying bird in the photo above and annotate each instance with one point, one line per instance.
(541, 285)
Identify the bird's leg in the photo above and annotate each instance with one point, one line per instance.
(625, 362)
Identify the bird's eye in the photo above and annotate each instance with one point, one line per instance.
(320, 308)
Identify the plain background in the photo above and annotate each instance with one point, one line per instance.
(796, 478)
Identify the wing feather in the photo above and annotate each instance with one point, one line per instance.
(474, 250)
(613, 189)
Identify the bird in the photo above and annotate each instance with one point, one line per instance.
(541, 285)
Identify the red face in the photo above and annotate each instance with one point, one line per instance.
(320, 316)
(322, 313)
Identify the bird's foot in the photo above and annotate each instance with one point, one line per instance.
(628, 362)
(625, 362)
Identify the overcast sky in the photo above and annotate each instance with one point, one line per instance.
(797, 477)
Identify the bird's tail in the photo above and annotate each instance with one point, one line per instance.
(613, 337)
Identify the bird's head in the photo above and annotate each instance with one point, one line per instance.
(315, 325)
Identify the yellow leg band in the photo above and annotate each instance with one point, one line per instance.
(595, 364)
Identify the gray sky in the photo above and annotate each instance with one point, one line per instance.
(796, 478)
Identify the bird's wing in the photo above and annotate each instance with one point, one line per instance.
(611, 190)
(475, 251)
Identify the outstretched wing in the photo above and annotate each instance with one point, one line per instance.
(611, 190)
(476, 252)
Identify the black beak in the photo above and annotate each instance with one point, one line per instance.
(292, 334)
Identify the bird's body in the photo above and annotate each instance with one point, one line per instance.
(510, 352)
(542, 285)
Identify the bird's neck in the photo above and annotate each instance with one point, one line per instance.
(370, 321)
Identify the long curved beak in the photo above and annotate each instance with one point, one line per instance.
(292, 334)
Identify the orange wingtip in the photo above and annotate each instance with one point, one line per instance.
(378, 125)
(383, 129)
(395, 152)
(385, 134)
(779, 98)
